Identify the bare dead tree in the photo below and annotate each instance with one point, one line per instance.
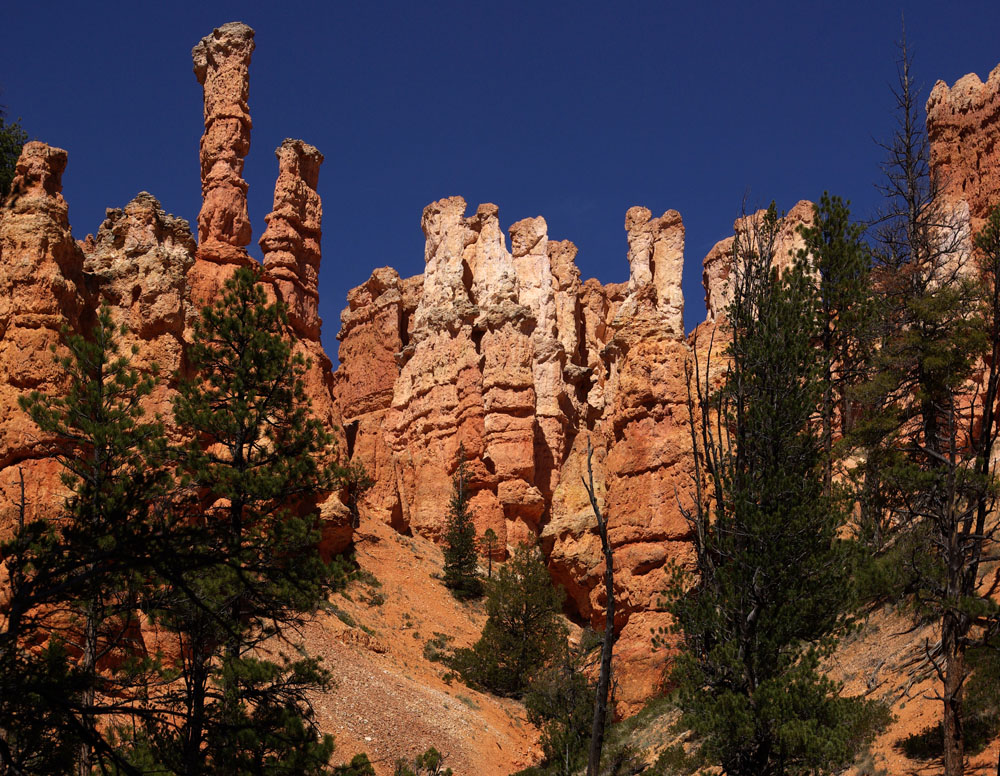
(939, 364)
(608, 643)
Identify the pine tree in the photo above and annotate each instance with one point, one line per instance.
(461, 561)
(253, 476)
(430, 763)
(12, 139)
(560, 703)
(839, 259)
(935, 383)
(773, 575)
(489, 544)
(523, 632)
(941, 428)
(81, 579)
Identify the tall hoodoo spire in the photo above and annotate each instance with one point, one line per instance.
(221, 64)
(291, 243)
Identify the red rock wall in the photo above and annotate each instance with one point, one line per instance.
(503, 350)
(963, 125)
(42, 290)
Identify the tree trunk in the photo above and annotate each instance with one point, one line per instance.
(954, 676)
(607, 646)
(88, 664)
(195, 732)
(604, 679)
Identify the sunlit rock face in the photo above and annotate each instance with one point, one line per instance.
(138, 264)
(499, 350)
(291, 243)
(963, 126)
(146, 266)
(42, 292)
(222, 67)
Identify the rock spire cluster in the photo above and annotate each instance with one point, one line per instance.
(498, 348)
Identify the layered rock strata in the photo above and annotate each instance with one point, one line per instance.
(505, 354)
(137, 265)
(291, 243)
(498, 351)
(222, 67)
(42, 291)
(145, 265)
(718, 264)
(963, 126)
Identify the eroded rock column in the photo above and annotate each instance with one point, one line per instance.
(963, 126)
(537, 291)
(41, 292)
(291, 243)
(437, 402)
(503, 325)
(656, 259)
(221, 65)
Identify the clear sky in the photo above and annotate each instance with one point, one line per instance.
(571, 110)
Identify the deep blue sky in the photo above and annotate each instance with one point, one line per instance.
(571, 110)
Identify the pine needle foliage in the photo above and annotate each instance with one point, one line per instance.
(79, 580)
(12, 140)
(523, 632)
(773, 586)
(461, 559)
(252, 475)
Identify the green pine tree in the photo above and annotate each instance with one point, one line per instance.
(523, 632)
(933, 393)
(461, 561)
(430, 763)
(81, 579)
(560, 703)
(252, 475)
(359, 765)
(773, 584)
(835, 251)
(12, 140)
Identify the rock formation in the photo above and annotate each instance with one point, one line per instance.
(719, 261)
(291, 243)
(506, 354)
(145, 265)
(138, 265)
(498, 349)
(963, 125)
(221, 65)
(41, 292)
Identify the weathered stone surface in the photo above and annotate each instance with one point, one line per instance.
(508, 355)
(656, 256)
(221, 65)
(138, 265)
(291, 243)
(719, 261)
(963, 126)
(498, 350)
(41, 291)
(374, 329)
